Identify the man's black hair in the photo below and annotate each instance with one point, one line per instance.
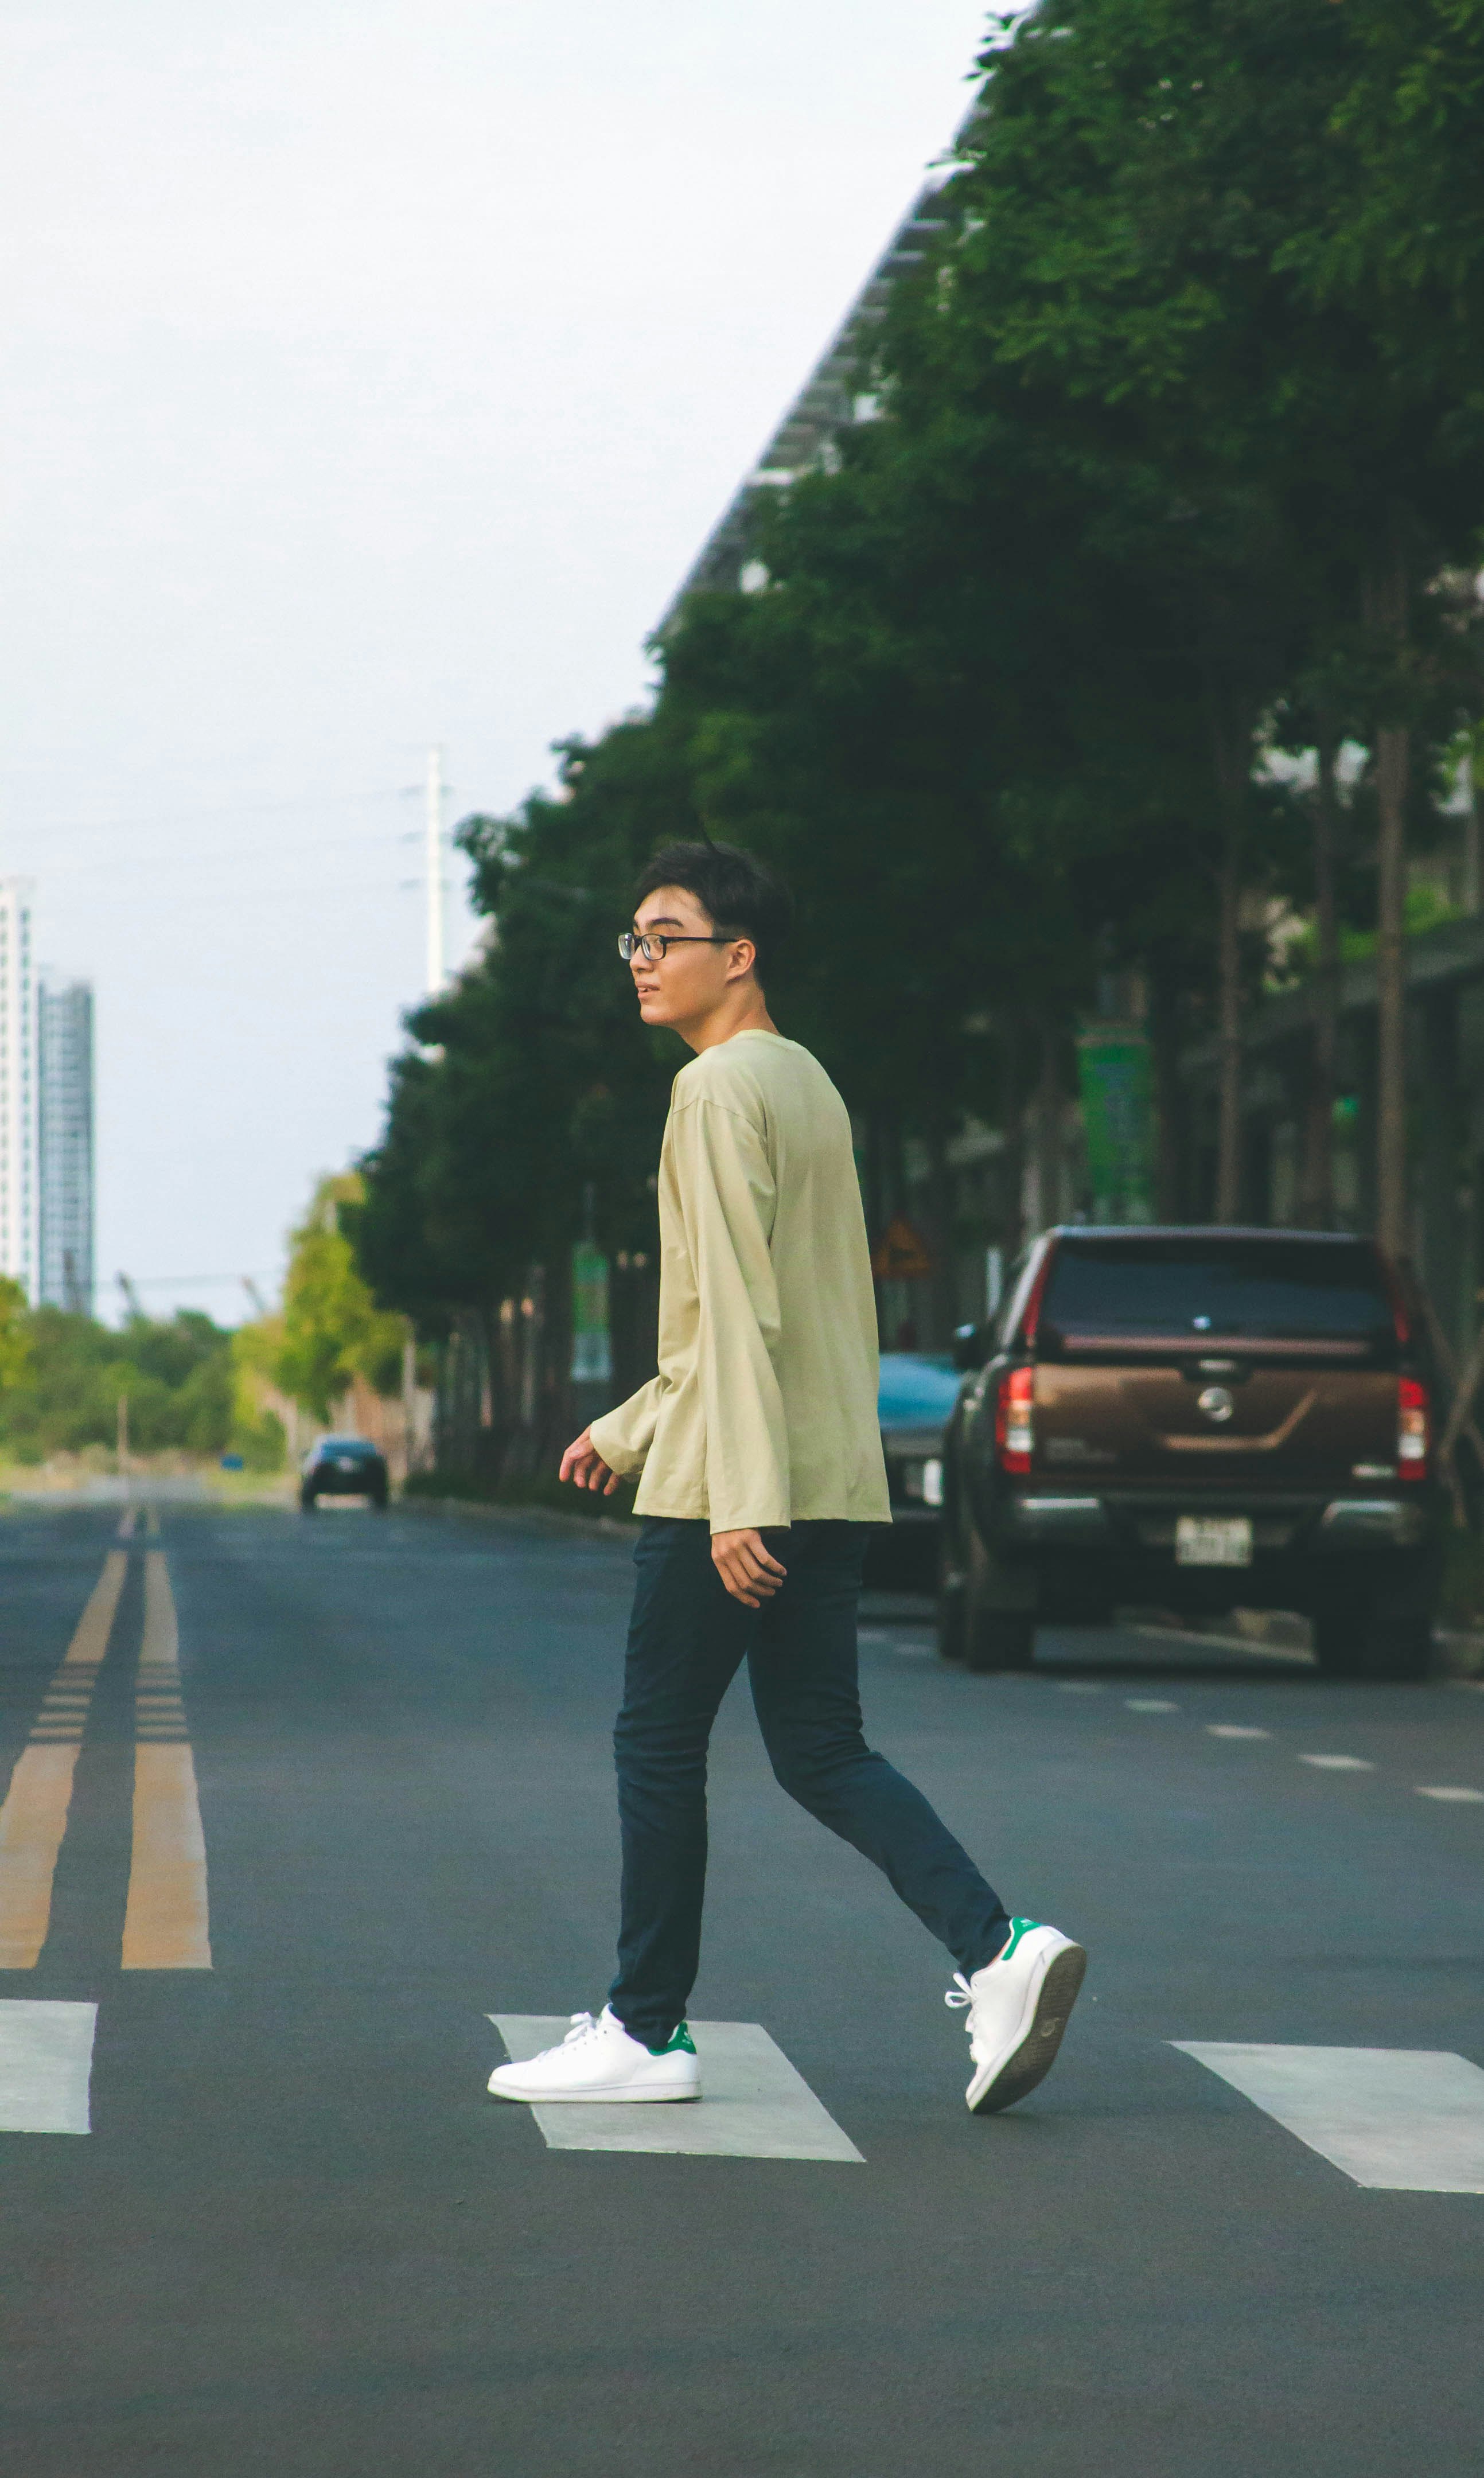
(741, 897)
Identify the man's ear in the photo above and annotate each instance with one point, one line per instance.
(743, 959)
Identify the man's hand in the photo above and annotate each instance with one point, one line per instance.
(584, 1466)
(750, 1575)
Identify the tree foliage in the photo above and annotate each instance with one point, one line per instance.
(331, 1329)
(62, 1377)
(1180, 461)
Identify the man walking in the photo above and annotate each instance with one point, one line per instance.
(761, 1471)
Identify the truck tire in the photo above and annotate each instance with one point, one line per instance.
(1338, 1627)
(994, 1638)
(1000, 1639)
(1355, 1641)
(1398, 1644)
(950, 1621)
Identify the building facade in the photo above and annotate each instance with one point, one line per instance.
(836, 395)
(64, 1149)
(17, 1088)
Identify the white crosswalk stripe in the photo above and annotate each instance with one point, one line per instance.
(45, 2066)
(1408, 2119)
(756, 2106)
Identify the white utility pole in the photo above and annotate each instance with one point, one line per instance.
(434, 870)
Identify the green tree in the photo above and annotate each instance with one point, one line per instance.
(176, 1374)
(332, 1328)
(15, 1349)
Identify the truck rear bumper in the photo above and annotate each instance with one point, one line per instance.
(1318, 1526)
(1125, 1546)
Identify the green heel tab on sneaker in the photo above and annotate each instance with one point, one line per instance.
(679, 2041)
(1017, 1929)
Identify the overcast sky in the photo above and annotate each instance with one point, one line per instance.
(373, 373)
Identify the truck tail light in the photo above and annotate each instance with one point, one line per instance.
(1014, 1421)
(1410, 1428)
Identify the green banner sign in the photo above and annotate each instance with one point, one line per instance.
(1117, 1084)
(593, 1354)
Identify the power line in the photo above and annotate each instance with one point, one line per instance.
(233, 809)
(239, 855)
(168, 1281)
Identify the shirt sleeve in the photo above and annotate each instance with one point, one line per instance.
(728, 1196)
(625, 1436)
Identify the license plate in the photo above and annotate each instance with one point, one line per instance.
(1212, 1540)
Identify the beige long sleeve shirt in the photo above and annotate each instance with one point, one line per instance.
(764, 1411)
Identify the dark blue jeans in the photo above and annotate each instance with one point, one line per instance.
(687, 1639)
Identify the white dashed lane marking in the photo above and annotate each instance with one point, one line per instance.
(45, 2066)
(1234, 1730)
(1455, 1797)
(1338, 1763)
(1409, 2119)
(1149, 1703)
(755, 2106)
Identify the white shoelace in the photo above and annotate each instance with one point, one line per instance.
(959, 1995)
(583, 2027)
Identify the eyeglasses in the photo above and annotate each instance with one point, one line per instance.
(653, 950)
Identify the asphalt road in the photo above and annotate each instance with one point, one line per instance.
(300, 2239)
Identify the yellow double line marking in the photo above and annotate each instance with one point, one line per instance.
(34, 1815)
(166, 1925)
(166, 1919)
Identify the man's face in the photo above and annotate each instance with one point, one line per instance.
(688, 982)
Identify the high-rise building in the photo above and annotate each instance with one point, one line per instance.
(65, 1146)
(17, 1088)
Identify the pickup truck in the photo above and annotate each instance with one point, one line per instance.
(1196, 1420)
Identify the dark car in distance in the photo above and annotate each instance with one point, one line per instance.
(1196, 1420)
(344, 1467)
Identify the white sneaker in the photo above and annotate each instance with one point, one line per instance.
(598, 2060)
(1017, 2007)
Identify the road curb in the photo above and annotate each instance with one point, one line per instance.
(528, 1518)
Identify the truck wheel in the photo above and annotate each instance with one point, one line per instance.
(951, 1600)
(1000, 1639)
(994, 1638)
(1353, 1641)
(1398, 1644)
(950, 1621)
(1339, 1639)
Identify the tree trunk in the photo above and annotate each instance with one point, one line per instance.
(1474, 856)
(1168, 1098)
(1317, 1200)
(1232, 752)
(1011, 1081)
(1386, 612)
(944, 1288)
(1047, 1153)
(1228, 1144)
(1393, 756)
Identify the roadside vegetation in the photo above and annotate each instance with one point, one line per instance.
(63, 1377)
(1142, 616)
(186, 1389)
(1120, 660)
